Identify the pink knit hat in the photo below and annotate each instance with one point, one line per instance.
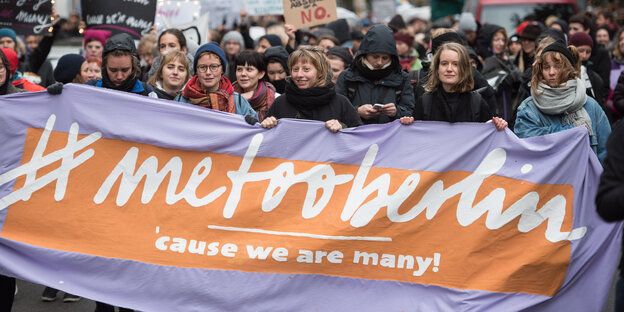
(99, 35)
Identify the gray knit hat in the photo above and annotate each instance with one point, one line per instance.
(467, 22)
(233, 35)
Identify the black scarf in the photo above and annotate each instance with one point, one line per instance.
(374, 75)
(127, 85)
(309, 100)
(280, 85)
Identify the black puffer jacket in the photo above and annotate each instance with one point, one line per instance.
(396, 85)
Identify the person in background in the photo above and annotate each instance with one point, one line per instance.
(233, 44)
(468, 25)
(146, 49)
(267, 41)
(526, 56)
(339, 58)
(69, 70)
(599, 61)
(120, 67)
(94, 41)
(603, 37)
(171, 76)
(251, 82)
(32, 42)
(276, 59)
(17, 79)
(91, 69)
(560, 25)
(558, 100)
(408, 56)
(171, 39)
(32, 66)
(448, 95)
(356, 40)
(310, 94)
(374, 83)
(209, 88)
(593, 83)
(327, 41)
(514, 47)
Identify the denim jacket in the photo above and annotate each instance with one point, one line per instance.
(530, 122)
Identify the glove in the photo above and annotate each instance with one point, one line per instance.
(55, 88)
(251, 119)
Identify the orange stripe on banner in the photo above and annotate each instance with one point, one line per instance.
(434, 250)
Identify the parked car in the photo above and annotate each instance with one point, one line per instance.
(510, 13)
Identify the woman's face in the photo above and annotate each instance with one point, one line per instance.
(276, 71)
(602, 36)
(94, 49)
(209, 79)
(378, 60)
(326, 44)
(90, 71)
(169, 42)
(304, 75)
(621, 43)
(248, 77)
(528, 46)
(174, 75)
(263, 44)
(584, 52)
(402, 48)
(498, 43)
(448, 69)
(551, 72)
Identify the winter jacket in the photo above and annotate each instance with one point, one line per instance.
(36, 61)
(505, 78)
(396, 85)
(140, 88)
(451, 107)
(600, 62)
(610, 197)
(531, 122)
(339, 108)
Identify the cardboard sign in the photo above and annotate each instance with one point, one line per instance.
(134, 17)
(308, 13)
(190, 209)
(264, 7)
(26, 17)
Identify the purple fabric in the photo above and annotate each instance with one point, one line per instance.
(561, 158)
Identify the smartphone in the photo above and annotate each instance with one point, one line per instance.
(377, 106)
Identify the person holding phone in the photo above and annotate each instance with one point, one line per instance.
(376, 77)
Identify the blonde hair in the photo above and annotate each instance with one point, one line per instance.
(465, 81)
(568, 70)
(171, 56)
(315, 56)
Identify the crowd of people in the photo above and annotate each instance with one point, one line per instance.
(546, 77)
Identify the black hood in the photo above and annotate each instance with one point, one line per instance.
(120, 41)
(378, 39)
(484, 40)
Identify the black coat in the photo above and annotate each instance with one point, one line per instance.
(600, 62)
(451, 107)
(507, 90)
(338, 108)
(378, 39)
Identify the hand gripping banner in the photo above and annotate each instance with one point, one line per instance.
(160, 206)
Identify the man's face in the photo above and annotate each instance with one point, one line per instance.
(575, 27)
(7, 42)
(119, 68)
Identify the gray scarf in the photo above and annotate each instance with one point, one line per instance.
(567, 100)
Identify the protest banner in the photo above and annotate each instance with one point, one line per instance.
(134, 17)
(308, 13)
(160, 206)
(264, 7)
(27, 17)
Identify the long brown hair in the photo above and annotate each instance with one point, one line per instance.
(568, 70)
(465, 81)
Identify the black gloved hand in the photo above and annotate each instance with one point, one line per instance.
(55, 88)
(251, 120)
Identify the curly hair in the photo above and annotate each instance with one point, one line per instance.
(567, 72)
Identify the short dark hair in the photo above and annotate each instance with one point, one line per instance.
(581, 19)
(177, 33)
(251, 58)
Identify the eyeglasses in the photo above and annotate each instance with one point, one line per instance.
(204, 68)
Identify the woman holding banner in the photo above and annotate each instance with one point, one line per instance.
(171, 76)
(448, 95)
(310, 94)
(252, 83)
(559, 100)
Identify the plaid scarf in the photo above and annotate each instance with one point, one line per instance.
(262, 98)
(221, 100)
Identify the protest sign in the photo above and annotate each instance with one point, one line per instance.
(308, 13)
(105, 194)
(134, 17)
(264, 7)
(27, 17)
